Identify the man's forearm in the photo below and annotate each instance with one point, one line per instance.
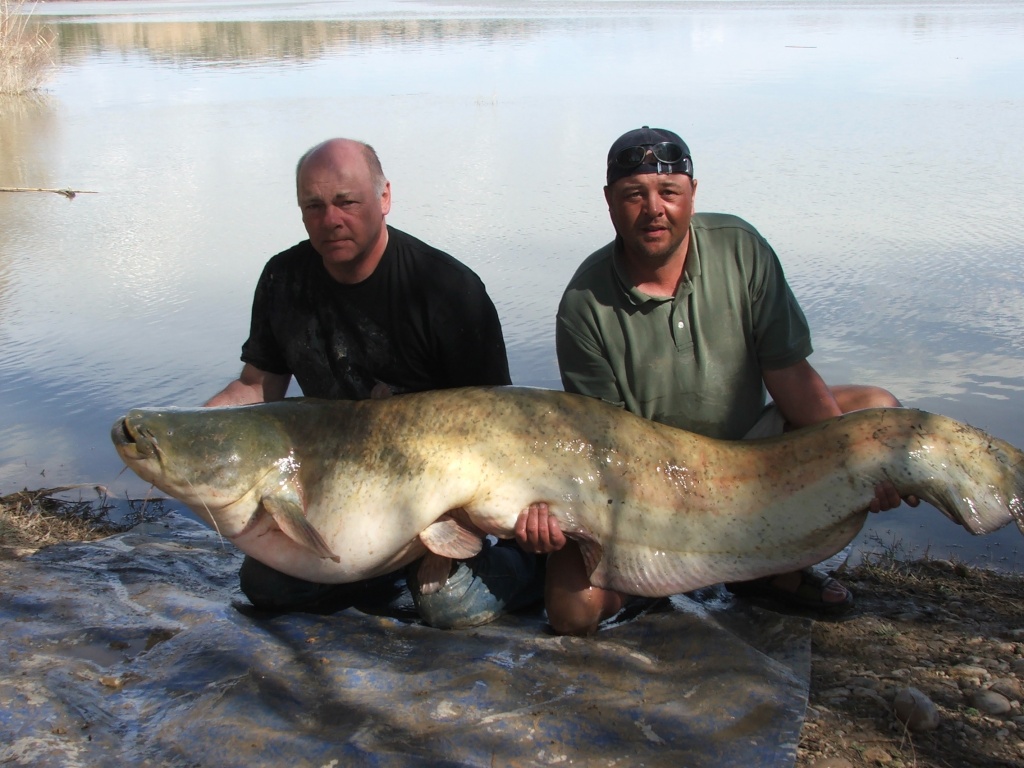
(252, 386)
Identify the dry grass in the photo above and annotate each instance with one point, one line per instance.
(25, 49)
(31, 520)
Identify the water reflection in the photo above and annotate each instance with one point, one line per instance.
(29, 122)
(874, 144)
(27, 125)
(239, 44)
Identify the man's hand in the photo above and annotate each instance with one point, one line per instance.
(887, 497)
(537, 530)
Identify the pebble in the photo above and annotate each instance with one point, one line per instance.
(840, 692)
(863, 692)
(910, 615)
(916, 710)
(833, 762)
(990, 702)
(877, 756)
(970, 669)
(1008, 687)
(863, 681)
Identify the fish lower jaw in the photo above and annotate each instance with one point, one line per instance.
(130, 455)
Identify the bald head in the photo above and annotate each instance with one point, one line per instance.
(345, 150)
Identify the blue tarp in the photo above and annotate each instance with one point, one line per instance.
(139, 649)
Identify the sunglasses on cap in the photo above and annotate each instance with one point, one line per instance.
(666, 152)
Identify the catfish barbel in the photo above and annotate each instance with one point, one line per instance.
(338, 491)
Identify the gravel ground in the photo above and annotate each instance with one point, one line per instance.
(953, 633)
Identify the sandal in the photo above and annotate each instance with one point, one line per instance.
(807, 596)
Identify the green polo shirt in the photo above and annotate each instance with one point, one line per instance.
(693, 360)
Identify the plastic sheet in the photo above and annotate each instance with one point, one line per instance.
(139, 649)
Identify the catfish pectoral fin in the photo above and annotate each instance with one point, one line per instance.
(433, 572)
(292, 521)
(590, 550)
(452, 538)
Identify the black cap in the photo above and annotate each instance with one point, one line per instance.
(654, 150)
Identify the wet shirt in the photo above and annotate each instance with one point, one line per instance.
(692, 360)
(421, 321)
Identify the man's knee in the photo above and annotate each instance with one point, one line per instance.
(578, 618)
(574, 606)
(855, 397)
(270, 590)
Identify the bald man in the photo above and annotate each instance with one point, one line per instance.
(362, 310)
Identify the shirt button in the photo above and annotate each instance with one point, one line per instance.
(680, 324)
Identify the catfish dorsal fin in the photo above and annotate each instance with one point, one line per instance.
(290, 517)
(452, 535)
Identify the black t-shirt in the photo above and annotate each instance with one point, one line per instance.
(421, 321)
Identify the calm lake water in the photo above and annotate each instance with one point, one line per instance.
(877, 145)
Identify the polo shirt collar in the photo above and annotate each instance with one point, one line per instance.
(691, 270)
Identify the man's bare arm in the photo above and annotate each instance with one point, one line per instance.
(252, 386)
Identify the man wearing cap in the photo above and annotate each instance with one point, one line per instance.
(686, 319)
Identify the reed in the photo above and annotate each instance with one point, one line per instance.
(25, 49)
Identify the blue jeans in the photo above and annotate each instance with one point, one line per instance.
(501, 578)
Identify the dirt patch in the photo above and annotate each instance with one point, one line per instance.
(954, 633)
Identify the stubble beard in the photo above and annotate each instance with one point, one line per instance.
(654, 254)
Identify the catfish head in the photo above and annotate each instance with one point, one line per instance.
(229, 465)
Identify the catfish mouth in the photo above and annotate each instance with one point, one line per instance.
(133, 442)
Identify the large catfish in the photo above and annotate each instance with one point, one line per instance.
(336, 491)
